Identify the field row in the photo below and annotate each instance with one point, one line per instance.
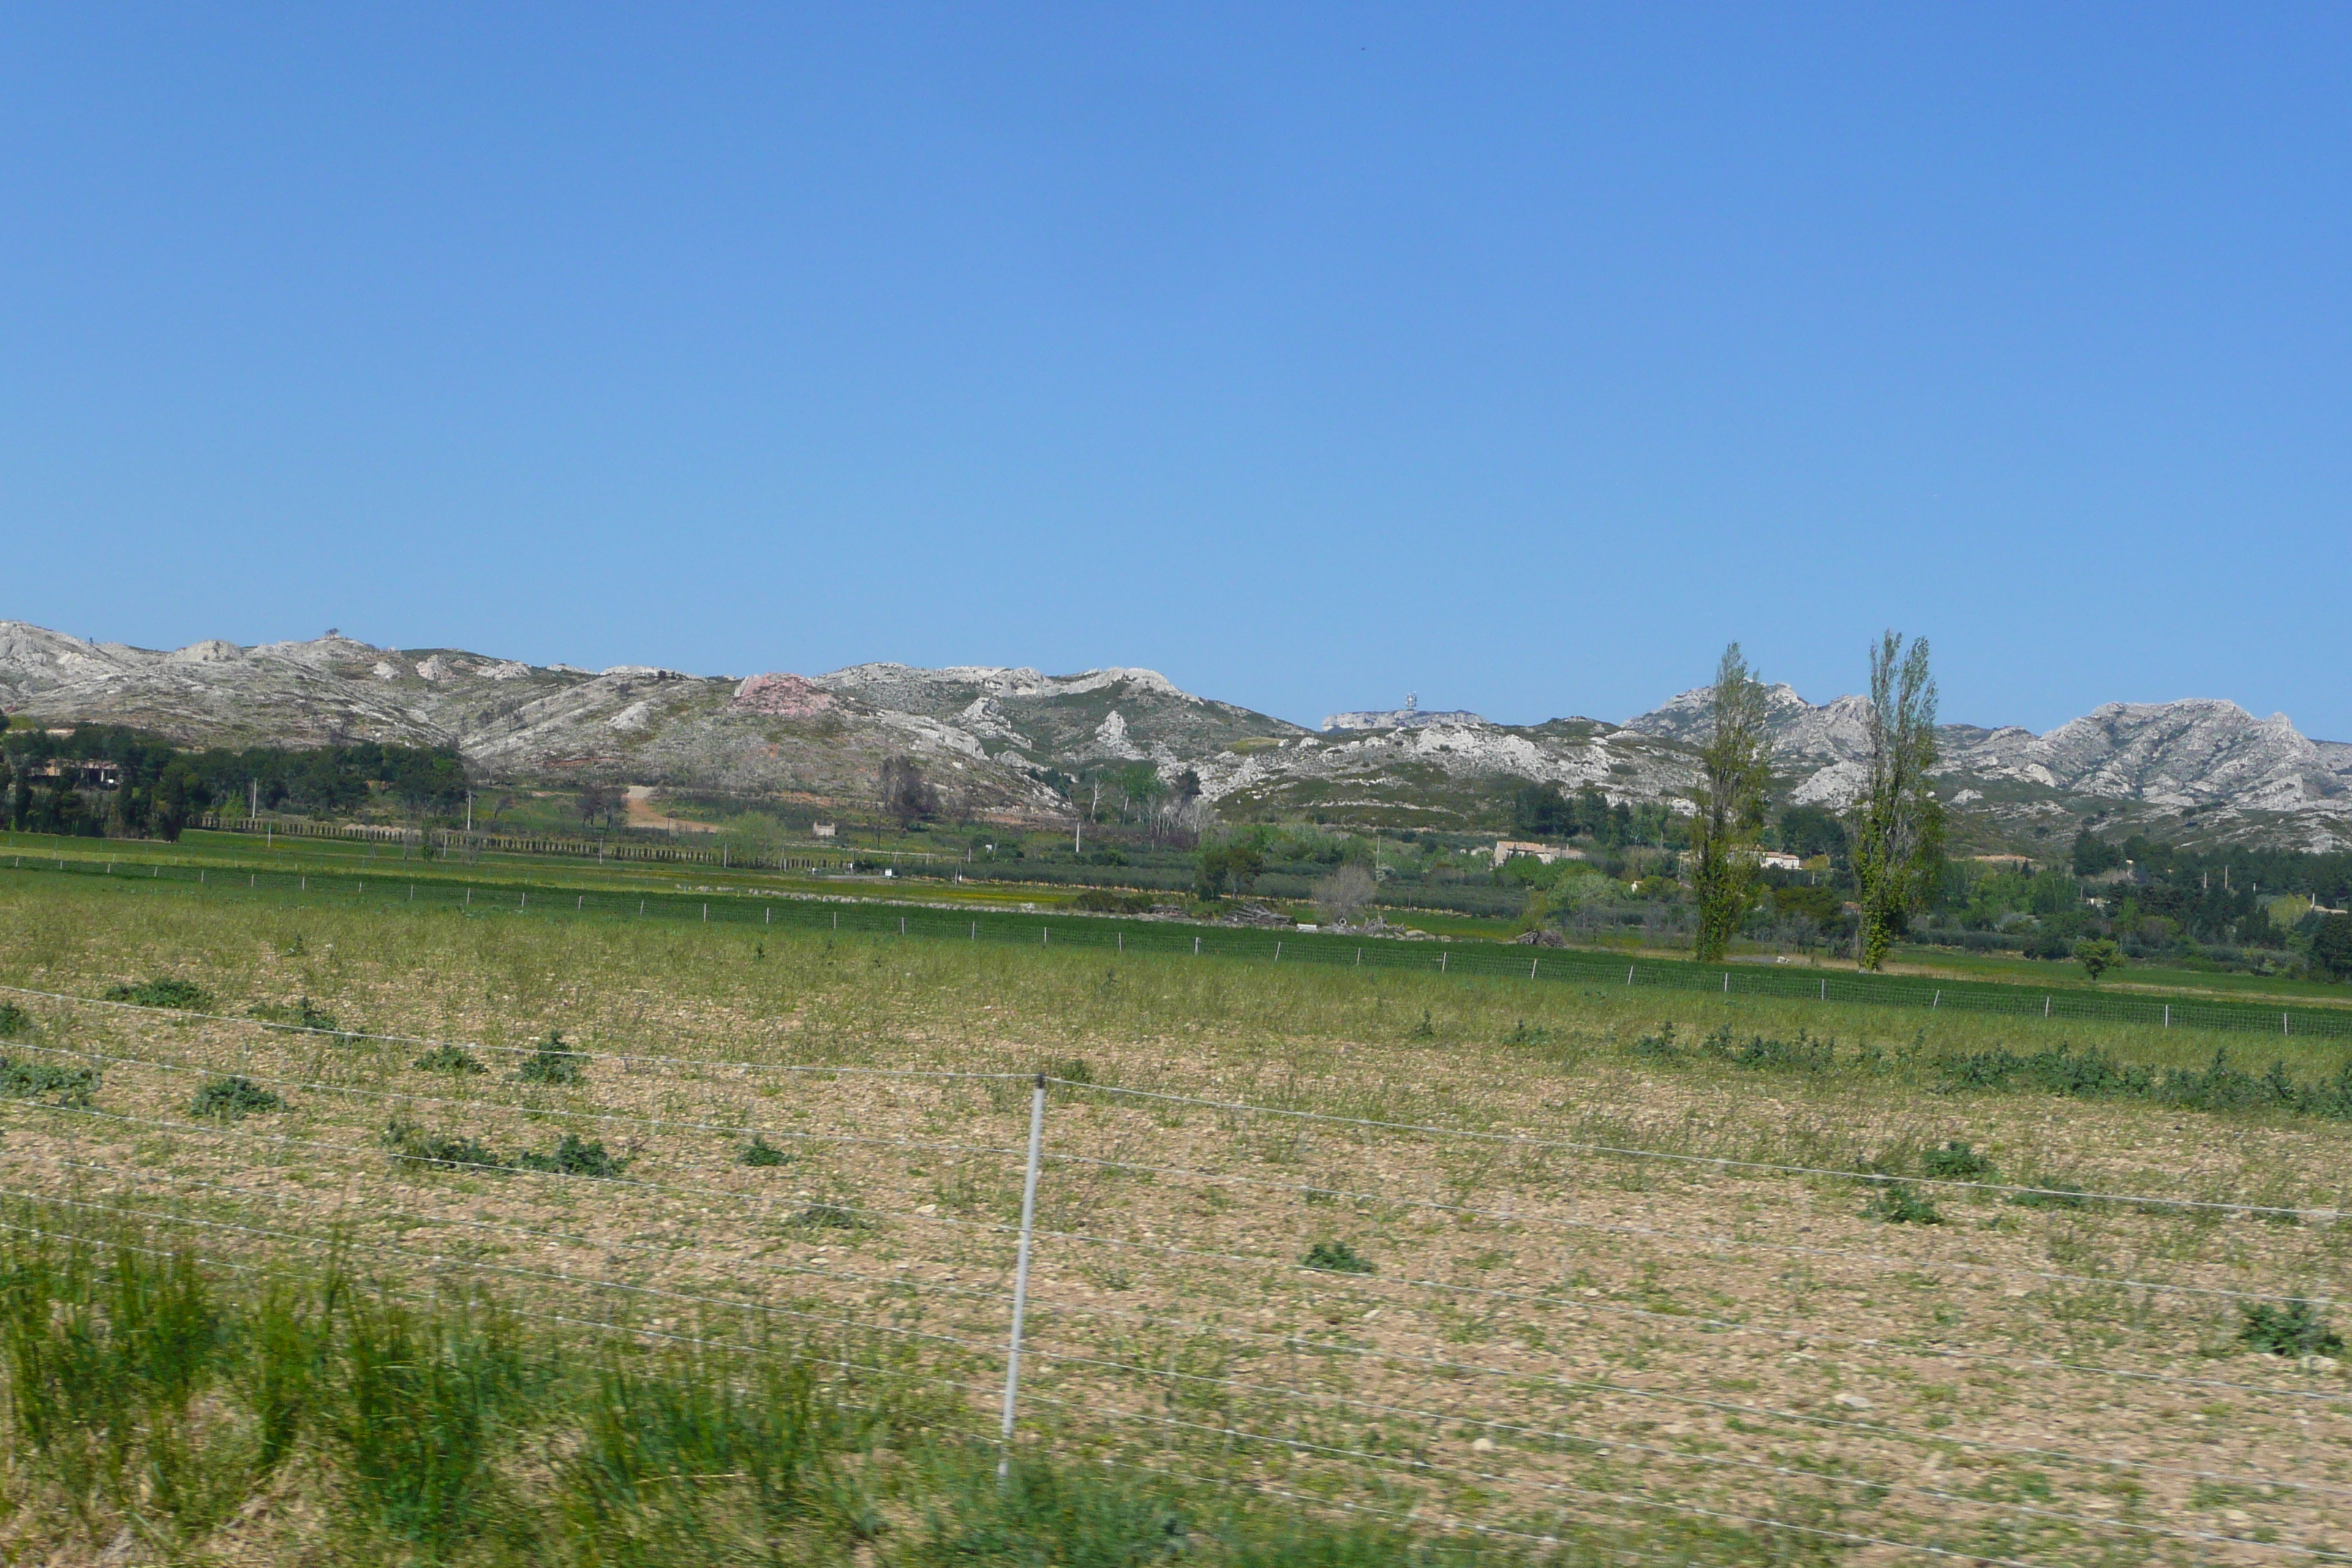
(740, 907)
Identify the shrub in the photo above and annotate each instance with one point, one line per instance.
(573, 1157)
(14, 1020)
(760, 1151)
(1956, 1162)
(163, 992)
(449, 1059)
(831, 1217)
(1897, 1203)
(234, 1098)
(551, 1063)
(2293, 1330)
(31, 1080)
(1336, 1257)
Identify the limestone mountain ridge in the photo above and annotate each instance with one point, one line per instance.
(1005, 742)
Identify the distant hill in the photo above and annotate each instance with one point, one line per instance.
(990, 737)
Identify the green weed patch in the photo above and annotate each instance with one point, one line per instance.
(1336, 1257)
(26, 1079)
(551, 1063)
(233, 1099)
(2295, 1329)
(164, 991)
(759, 1152)
(1957, 1162)
(1899, 1203)
(410, 1142)
(573, 1156)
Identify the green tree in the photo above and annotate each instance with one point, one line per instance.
(1808, 830)
(1735, 777)
(1540, 811)
(1209, 878)
(2098, 955)
(905, 794)
(1898, 825)
(1140, 787)
(2331, 947)
(2092, 856)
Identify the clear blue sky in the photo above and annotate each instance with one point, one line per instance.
(1519, 358)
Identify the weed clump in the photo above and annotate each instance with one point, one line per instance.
(1523, 1036)
(1336, 1257)
(831, 1217)
(2293, 1330)
(551, 1063)
(14, 1020)
(1072, 1069)
(449, 1059)
(1956, 1162)
(411, 1142)
(761, 1152)
(1898, 1203)
(21, 1079)
(163, 992)
(233, 1099)
(573, 1156)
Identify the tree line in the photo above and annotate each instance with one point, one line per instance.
(97, 779)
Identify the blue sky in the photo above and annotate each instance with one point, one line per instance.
(1516, 357)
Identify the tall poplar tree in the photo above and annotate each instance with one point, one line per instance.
(1897, 822)
(1734, 781)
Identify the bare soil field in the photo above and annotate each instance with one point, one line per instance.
(1378, 1245)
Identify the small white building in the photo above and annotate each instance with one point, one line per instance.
(1507, 848)
(821, 829)
(1779, 860)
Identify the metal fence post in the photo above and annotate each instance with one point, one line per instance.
(1021, 1278)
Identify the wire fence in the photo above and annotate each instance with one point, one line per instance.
(1501, 1332)
(1586, 970)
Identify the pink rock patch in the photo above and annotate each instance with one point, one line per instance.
(782, 697)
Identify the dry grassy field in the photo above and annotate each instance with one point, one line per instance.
(1481, 1269)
